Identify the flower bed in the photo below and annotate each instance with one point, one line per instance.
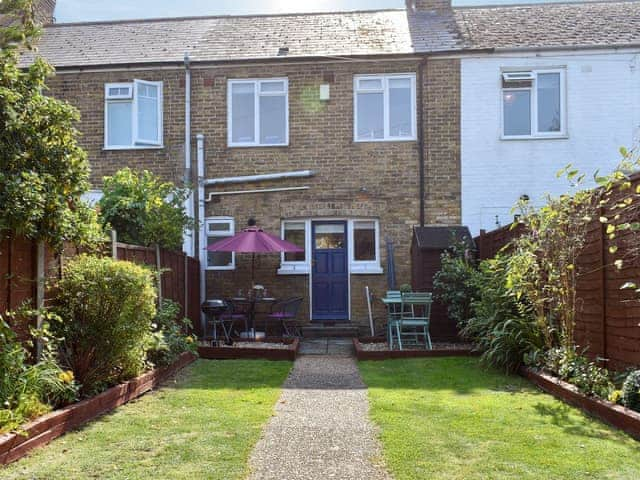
(270, 349)
(616, 415)
(41, 431)
(367, 348)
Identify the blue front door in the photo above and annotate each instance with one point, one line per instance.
(330, 275)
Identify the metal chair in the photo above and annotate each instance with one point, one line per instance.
(393, 313)
(236, 311)
(285, 312)
(415, 313)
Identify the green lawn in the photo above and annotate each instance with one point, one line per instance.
(201, 427)
(449, 418)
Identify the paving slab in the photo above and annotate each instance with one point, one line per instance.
(321, 429)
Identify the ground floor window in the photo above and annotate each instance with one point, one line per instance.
(363, 244)
(216, 229)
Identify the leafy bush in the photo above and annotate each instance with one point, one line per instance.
(577, 369)
(27, 391)
(502, 328)
(106, 308)
(43, 169)
(143, 209)
(631, 391)
(168, 339)
(454, 285)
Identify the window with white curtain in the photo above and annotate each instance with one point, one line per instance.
(385, 108)
(258, 112)
(133, 115)
(533, 104)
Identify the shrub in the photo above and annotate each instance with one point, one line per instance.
(577, 369)
(143, 209)
(631, 391)
(453, 284)
(106, 308)
(169, 340)
(502, 328)
(27, 391)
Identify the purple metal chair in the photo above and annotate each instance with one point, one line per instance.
(285, 312)
(236, 311)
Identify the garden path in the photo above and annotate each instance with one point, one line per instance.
(321, 429)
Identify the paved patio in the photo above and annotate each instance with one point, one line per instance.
(321, 428)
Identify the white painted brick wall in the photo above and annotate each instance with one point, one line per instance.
(603, 114)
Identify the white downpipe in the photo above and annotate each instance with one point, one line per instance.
(202, 243)
(260, 178)
(189, 236)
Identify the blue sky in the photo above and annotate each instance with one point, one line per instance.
(87, 10)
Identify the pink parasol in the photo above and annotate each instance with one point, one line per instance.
(254, 240)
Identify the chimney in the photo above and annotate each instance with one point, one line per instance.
(414, 6)
(44, 11)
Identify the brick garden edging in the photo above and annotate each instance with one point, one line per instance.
(362, 354)
(228, 353)
(42, 430)
(615, 415)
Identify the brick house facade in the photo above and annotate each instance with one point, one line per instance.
(352, 180)
(372, 191)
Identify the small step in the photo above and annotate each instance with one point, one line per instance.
(335, 330)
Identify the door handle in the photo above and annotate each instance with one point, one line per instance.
(313, 263)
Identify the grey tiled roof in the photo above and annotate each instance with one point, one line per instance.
(339, 34)
(551, 25)
(245, 37)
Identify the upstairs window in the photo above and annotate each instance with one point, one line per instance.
(133, 115)
(533, 104)
(218, 228)
(385, 108)
(258, 112)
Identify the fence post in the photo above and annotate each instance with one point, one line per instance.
(186, 286)
(159, 268)
(114, 244)
(40, 284)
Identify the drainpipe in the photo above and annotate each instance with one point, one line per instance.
(202, 239)
(421, 126)
(189, 236)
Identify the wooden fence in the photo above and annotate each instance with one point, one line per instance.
(608, 318)
(18, 272)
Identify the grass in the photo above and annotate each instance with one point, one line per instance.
(449, 418)
(203, 426)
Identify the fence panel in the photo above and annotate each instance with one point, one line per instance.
(608, 318)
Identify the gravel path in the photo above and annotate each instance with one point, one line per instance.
(321, 428)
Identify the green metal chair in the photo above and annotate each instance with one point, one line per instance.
(415, 312)
(393, 313)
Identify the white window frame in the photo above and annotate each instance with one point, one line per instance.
(297, 267)
(533, 107)
(385, 91)
(219, 220)
(256, 125)
(137, 144)
(356, 267)
(363, 267)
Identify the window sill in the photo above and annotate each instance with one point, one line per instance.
(365, 270)
(536, 137)
(252, 145)
(385, 140)
(293, 270)
(140, 147)
(219, 269)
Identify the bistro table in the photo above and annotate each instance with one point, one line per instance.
(251, 310)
